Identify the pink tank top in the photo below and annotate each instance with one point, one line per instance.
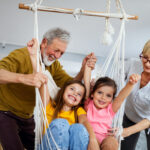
(101, 120)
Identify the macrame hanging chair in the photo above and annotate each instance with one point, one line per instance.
(112, 67)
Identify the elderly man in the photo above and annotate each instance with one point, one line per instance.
(17, 82)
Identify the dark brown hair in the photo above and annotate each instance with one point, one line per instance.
(105, 81)
(59, 102)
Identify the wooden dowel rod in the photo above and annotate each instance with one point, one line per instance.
(84, 12)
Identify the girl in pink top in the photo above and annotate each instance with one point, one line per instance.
(102, 104)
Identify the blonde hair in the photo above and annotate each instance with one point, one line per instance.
(146, 48)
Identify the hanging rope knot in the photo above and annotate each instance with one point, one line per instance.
(109, 30)
(107, 38)
(33, 6)
(77, 13)
(125, 16)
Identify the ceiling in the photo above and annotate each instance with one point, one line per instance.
(17, 25)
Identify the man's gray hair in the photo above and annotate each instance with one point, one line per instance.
(52, 34)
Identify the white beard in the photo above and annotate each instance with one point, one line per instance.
(46, 61)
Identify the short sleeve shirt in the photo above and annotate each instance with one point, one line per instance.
(138, 102)
(100, 119)
(68, 115)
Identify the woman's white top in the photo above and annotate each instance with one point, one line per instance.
(138, 102)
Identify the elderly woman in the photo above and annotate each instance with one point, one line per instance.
(137, 109)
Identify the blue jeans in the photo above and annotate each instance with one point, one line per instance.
(67, 137)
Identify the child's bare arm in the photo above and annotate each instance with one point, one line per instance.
(125, 92)
(41, 78)
(32, 49)
(93, 144)
(86, 104)
(44, 94)
(144, 124)
(87, 78)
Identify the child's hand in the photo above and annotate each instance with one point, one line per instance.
(112, 132)
(134, 78)
(90, 60)
(32, 47)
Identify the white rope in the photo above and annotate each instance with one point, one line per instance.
(115, 63)
(40, 110)
(117, 70)
(52, 87)
(37, 116)
(77, 13)
(119, 117)
(119, 134)
(109, 30)
(119, 4)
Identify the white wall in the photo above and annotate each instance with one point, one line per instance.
(16, 25)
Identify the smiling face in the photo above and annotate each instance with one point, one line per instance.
(103, 96)
(73, 95)
(53, 51)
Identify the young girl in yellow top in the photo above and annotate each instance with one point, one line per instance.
(68, 122)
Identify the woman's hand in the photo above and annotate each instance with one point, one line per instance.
(112, 132)
(126, 132)
(93, 145)
(134, 78)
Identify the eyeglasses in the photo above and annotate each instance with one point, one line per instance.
(144, 58)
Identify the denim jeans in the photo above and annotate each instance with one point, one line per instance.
(67, 137)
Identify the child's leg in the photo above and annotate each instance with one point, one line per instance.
(109, 143)
(79, 137)
(59, 129)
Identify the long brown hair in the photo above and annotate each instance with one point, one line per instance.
(59, 102)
